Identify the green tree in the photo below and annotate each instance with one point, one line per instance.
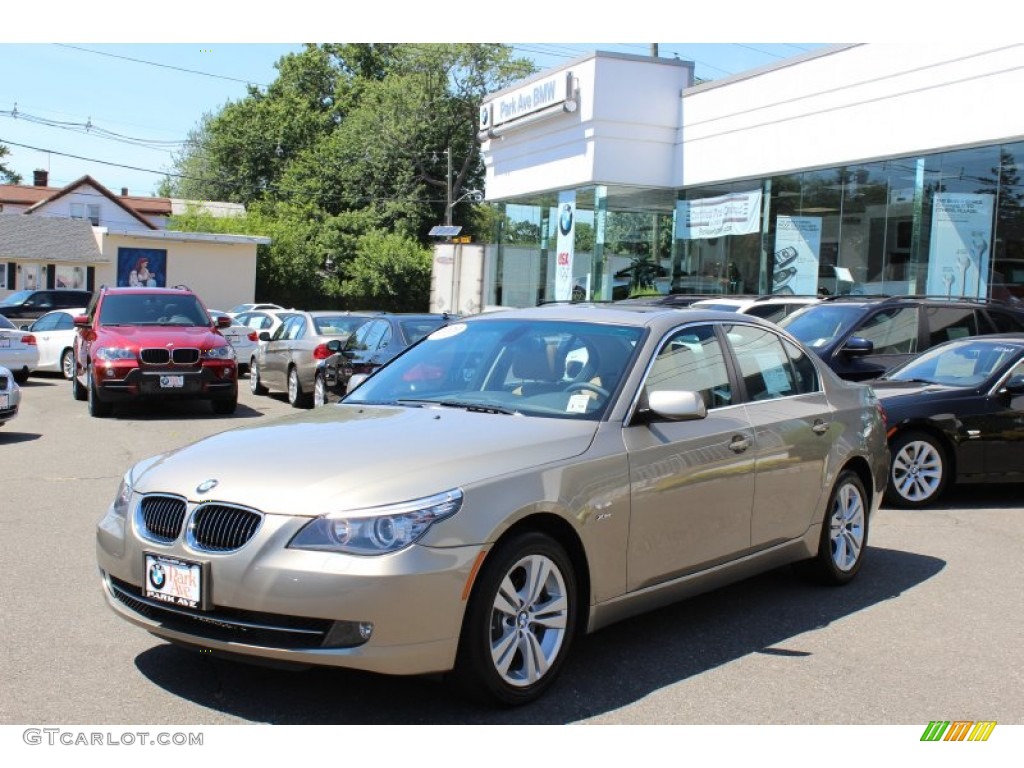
(6, 174)
(389, 272)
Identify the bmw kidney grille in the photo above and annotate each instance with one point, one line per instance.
(211, 527)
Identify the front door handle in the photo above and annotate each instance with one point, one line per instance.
(820, 427)
(739, 444)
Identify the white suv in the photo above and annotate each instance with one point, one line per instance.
(771, 308)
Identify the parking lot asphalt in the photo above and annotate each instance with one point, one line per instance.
(929, 630)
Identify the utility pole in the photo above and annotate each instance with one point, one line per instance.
(654, 50)
(448, 189)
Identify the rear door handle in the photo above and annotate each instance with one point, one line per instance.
(820, 427)
(739, 444)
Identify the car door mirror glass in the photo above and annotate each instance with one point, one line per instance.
(858, 346)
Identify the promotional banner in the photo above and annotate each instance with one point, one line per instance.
(797, 255)
(566, 221)
(961, 243)
(738, 213)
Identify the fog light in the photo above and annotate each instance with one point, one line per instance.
(110, 372)
(348, 634)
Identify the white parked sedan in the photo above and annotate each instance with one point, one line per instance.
(18, 350)
(55, 336)
(243, 338)
(10, 396)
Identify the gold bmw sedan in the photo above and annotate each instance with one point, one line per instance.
(509, 482)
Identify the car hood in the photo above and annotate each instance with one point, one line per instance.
(160, 336)
(349, 456)
(888, 390)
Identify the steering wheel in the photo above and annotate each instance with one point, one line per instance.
(586, 385)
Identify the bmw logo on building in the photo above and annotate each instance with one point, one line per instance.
(565, 219)
(157, 577)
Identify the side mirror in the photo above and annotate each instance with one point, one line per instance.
(264, 335)
(334, 346)
(81, 321)
(223, 322)
(677, 405)
(1015, 385)
(857, 346)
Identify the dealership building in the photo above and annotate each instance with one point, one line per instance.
(865, 168)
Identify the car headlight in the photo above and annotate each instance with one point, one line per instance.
(377, 530)
(227, 352)
(123, 496)
(114, 353)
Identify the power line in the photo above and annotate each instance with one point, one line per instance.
(164, 66)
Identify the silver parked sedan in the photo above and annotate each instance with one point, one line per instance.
(10, 396)
(512, 481)
(286, 361)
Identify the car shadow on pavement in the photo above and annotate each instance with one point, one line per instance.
(10, 436)
(610, 669)
(171, 410)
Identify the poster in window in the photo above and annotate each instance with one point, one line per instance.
(70, 277)
(797, 255)
(737, 213)
(141, 267)
(960, 249)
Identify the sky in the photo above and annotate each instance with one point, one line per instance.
(120, 112)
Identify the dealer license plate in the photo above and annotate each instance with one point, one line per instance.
(4, 401)
(175, 581)
(172, 381)
(5, 341)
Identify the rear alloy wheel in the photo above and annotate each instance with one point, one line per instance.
(844, 534)
(97, 408)
(296, 397)
(67, 363)
(520, 621)
(255, 386)
(319, 391)
(918, 471)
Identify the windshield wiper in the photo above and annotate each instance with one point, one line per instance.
(464, 405)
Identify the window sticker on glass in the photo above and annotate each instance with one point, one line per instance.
(447, 332)
(578, 403)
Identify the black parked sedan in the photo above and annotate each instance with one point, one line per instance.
(955, 414)
(371, 346)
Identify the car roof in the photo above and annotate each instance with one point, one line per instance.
(637, 315)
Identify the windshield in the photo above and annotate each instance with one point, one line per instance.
(817, 325)
(337, 325)
(415, 330)
(16, 298)
(152, 309)
(545, 368)
(6, 324)
(963, 364)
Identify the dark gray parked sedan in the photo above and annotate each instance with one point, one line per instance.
(510, 482)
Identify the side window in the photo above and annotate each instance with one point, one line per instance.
(281, 334)
(296, 328)
(1004, 322)
(65, 322)
(368, 336)
(692, 360)
(764, 363)
(45, 323)
(805, 374)
(892, 331)
(948, 323)
(385, 338)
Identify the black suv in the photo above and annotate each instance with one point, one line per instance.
(30, 305)
(861, 337)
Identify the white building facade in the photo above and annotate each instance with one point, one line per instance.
(865, 168)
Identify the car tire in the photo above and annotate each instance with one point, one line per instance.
(319, 391)
(296, 397)
(67, 363)
(78, 392)
(97, 408)
(844, 534)
(225, 406)
(519, 623)
(918, 471)
(255, 386)
(21, 376)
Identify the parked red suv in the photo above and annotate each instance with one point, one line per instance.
(152, 343)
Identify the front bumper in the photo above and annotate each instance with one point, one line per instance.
(214, 379)
(265, 600)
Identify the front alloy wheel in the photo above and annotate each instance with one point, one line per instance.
(67, 364)
(917, 473)
(319, 391)
(255, 386)
(520, 621)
